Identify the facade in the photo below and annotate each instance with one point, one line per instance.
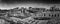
(53, 12)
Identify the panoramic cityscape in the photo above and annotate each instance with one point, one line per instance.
(30, 16)
(29, 12)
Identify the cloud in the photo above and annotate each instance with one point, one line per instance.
(34, 5)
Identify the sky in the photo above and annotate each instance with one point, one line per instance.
(9, 4)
